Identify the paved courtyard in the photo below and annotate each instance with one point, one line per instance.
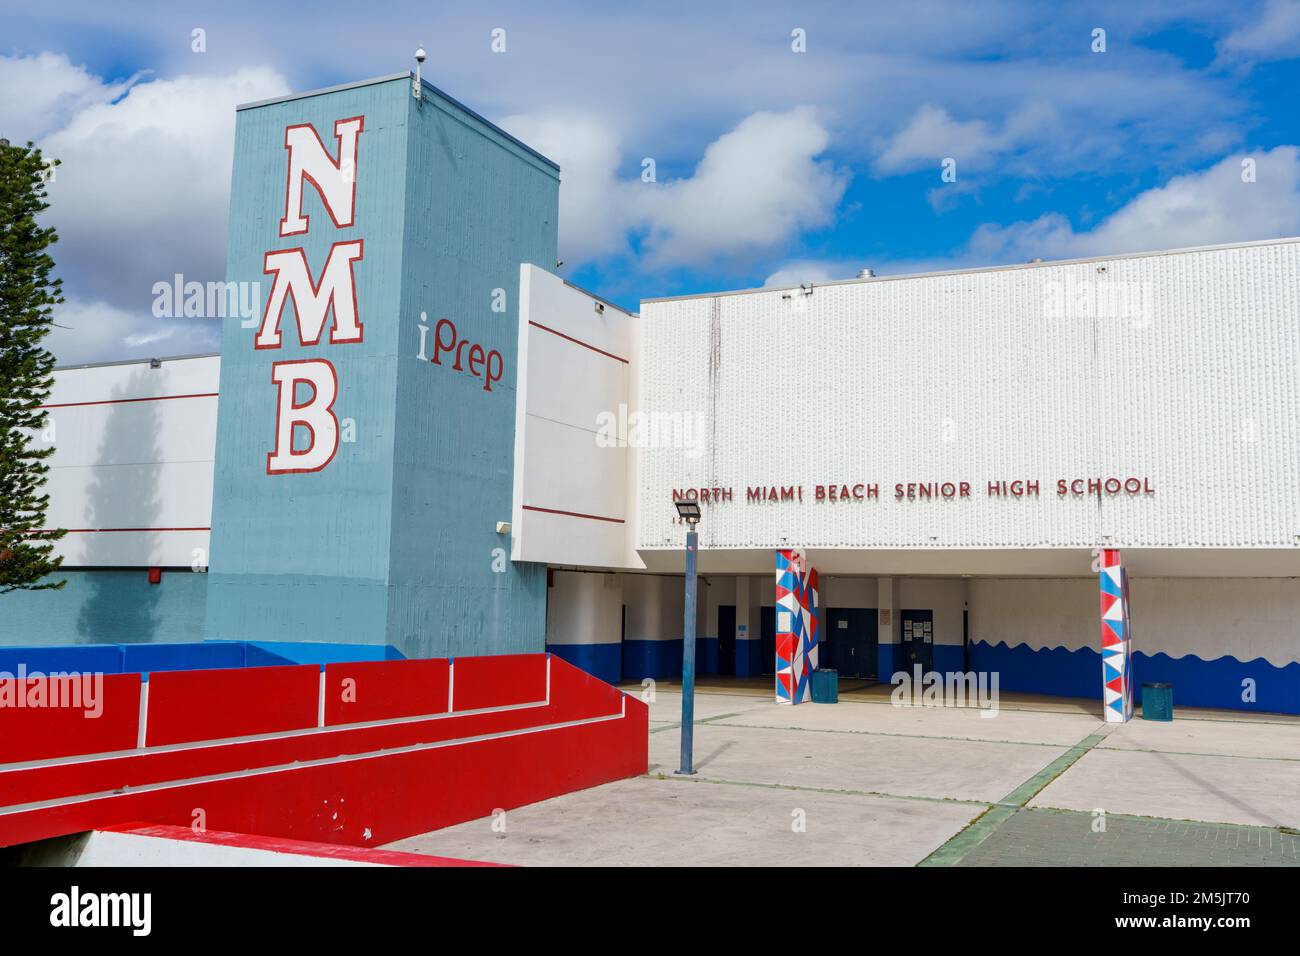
(861, 782)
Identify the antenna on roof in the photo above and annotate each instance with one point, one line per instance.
(416, 87)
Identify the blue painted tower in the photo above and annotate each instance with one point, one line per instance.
(365, 436)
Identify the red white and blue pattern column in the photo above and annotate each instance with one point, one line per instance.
(1116, 640)
(812, 614)
(789, 626)
(796, 628)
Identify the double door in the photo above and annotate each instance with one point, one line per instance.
(848, 642)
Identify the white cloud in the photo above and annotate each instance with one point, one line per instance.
(1275, 35)
(670, 76)
(88, 332)
(44, 91)
(754, 190)
(804, 271)
(932, 135)
(143, 189)
(594, 219)
(141, 193)
(1203, 208)
(1209, 207)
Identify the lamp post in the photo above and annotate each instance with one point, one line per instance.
(690, 512)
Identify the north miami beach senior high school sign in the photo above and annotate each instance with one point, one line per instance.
(365, 426)
(858, 491)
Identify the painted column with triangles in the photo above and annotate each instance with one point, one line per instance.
(1116, 640)
(797, 613)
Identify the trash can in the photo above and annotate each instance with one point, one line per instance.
(826, 686)
(1157, 701)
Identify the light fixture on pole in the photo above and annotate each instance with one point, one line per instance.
(417, 85)
(689, 511)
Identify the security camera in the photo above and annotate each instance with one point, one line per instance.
(419, 55)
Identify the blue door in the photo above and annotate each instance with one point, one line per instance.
(917, 643)
(848, 642)
(767, 640)
(727, 639)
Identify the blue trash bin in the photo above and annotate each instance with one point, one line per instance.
(1157, 701)
(826, 686)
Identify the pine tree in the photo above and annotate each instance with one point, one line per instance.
(28, 295)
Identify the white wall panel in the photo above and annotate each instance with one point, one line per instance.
(131, 473)
(985, 376)
(1244, 618)
(584, 608)
(944, 596)
(836, 591)
(576, 363)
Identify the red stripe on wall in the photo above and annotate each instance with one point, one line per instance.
(570, 338)
(105, 530)
(125, 401)
(572, 514)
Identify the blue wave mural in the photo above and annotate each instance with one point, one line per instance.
(1197, 682)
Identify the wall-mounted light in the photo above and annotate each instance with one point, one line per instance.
(503, 527)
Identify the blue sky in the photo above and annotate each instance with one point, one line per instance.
(772, 166)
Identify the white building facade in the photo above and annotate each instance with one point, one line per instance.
(950, 451)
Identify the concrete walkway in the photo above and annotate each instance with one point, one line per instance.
(863, 782)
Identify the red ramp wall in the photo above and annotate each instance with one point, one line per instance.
(352, 753)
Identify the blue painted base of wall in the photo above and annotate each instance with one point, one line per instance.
(944, 658)
(144, 658)
(654, 659)
(706, 655)
(1197, 682)
(604, 661)
(884, 662)
(947, 658)
(749, 658)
